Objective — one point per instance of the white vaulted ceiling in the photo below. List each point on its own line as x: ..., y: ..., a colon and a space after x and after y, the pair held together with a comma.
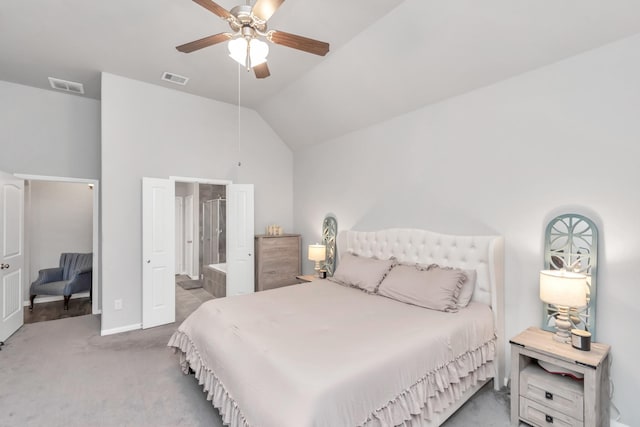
x: 387, y: 57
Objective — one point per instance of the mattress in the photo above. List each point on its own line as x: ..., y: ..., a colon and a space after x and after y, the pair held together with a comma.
x: 322, y: 354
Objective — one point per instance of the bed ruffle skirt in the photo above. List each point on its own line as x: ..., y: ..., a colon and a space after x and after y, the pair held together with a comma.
x: 433, y: 393
x: 437, y: 390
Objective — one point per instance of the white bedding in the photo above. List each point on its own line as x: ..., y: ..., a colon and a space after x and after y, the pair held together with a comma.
x: 321, y: 354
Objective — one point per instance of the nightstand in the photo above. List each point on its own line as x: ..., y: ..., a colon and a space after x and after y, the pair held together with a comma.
x: 540, y: 398
x: 307, y: 278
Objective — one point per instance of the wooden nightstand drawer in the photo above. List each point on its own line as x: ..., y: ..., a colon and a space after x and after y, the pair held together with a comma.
x: 562, y: 394
x: 543, y: 399
x: 539, y: 415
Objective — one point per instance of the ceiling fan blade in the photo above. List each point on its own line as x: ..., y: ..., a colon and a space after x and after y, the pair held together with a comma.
x: 298, y: 42
x: 264, y: 9
x: 215, y: 8
x: 261, y: 71
x: 204, y: 42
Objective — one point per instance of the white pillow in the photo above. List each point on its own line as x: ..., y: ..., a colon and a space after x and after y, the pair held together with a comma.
x: 361, y: 272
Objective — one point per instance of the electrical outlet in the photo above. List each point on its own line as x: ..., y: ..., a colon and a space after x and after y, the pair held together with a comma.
x: 117, y: 304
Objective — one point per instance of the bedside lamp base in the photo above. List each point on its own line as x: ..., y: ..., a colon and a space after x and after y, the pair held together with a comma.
x: 563, y: 325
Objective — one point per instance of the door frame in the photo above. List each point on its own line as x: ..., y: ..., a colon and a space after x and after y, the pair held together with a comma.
x: 96, y: 289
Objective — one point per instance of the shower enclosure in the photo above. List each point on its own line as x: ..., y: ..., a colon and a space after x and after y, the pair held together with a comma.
x: 214, y: 236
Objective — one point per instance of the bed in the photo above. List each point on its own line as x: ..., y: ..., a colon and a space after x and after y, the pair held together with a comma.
x: 328, y: 353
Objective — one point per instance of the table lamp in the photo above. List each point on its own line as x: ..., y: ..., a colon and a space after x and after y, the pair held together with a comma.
x: 565, y: 290
x: 317, y: 253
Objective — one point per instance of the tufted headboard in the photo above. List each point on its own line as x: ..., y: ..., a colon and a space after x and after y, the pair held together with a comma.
x: 485, y: 254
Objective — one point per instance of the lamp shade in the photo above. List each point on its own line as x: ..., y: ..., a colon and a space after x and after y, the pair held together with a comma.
x: 563, y: 288
x: 317, y: 252
x: 257, y: 49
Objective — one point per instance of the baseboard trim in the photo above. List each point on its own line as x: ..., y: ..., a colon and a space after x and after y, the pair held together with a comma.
x: 52, y: 298
x: 121, y: 329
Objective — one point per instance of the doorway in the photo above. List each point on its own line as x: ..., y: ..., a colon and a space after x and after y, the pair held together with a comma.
x: 58, y: 219
x: 159, y: 246
x: 15, y: 272
x: 200, y: 241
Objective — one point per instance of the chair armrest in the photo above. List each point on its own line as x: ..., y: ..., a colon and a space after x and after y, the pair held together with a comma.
x: 80, y: 282
x: 83, y: 270
x: 48, y: 275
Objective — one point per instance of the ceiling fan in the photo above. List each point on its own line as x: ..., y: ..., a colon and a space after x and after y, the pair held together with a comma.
x: 249, y: 25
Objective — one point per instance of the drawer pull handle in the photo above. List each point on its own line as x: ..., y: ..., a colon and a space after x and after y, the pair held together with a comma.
x: 549, y: 419
x: 548, y: 395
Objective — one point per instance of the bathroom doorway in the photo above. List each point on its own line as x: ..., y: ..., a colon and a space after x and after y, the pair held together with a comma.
x: 200, y: 240
x: 200, y: 229
x: 159, y: 249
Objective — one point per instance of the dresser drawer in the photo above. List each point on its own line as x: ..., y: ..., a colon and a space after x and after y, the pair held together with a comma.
x: 562, y: 394
x: 275, y: 278
x: 274, y: 243
x: 280, y: 254
x: 539, y: 415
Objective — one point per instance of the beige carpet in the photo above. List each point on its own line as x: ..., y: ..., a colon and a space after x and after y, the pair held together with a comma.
x: 63, y: 373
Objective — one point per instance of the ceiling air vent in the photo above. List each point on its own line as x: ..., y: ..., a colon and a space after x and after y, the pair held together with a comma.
x: 66, y: 85
x: 175, y: 78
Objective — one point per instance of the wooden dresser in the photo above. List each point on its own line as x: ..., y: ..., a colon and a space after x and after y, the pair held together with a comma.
x: 277, y: 261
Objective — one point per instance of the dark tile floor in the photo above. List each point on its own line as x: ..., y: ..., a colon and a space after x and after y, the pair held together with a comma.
x: 55, y: 310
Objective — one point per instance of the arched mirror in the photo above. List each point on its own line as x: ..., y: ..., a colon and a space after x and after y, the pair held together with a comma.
x: 329, y: 233
x: 571, y: 243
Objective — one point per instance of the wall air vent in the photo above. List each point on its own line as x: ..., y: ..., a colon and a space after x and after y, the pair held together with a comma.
x: 67, y: 86
x: 175, y: 78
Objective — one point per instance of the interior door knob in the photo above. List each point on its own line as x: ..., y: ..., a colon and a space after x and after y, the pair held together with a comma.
x: 3, y: 266
x: 148, y: 261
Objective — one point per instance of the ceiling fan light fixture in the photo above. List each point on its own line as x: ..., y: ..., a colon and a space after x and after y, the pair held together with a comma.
x: 257, y: 49
x: 247, y: 44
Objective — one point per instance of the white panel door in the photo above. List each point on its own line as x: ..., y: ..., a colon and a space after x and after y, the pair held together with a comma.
x: 240, y: 237
x: 11, y: 254
x: 188, y: 236
x: 179, y: 229
x: 158, y: 279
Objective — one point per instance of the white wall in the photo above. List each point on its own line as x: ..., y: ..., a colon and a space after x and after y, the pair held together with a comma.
x: 59, y: 219
x: 504, y: 160
x: 49, y: 133
x: 152, y: 131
